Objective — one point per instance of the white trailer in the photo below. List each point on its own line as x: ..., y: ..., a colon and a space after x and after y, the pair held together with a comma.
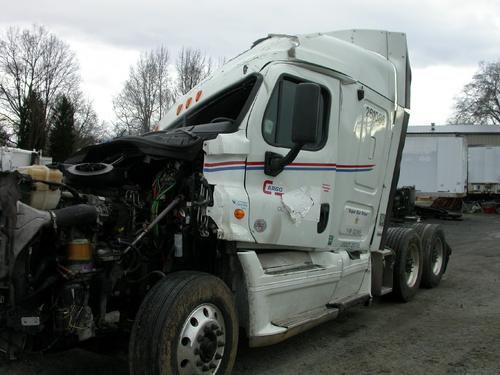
x: 12, y: 158
x: 484, y: 170
x: 435, y: 165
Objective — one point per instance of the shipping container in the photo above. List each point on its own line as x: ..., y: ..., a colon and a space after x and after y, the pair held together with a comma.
x: 484, y: 170
x: 435, y: 165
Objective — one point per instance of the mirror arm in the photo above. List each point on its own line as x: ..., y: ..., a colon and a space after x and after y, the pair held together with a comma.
x: 275, y: 163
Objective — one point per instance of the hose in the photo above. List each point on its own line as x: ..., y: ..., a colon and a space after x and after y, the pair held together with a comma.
x: 153, y: 224
x: 73, y: 191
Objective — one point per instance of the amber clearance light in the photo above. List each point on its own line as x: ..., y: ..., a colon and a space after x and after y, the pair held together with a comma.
x: 239, y: 213
x: 179, y: 108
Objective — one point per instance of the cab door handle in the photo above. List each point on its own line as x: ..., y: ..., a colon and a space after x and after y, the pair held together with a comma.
x: 324, y: 214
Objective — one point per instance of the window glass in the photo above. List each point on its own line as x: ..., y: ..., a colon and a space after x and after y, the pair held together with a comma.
x: 228, y: 104
x: 277, y: 123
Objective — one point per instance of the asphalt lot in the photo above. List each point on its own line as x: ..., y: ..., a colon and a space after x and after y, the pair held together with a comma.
x: 453, y: 329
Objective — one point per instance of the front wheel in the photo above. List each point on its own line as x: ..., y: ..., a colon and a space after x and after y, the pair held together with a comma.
x: 187, y: 324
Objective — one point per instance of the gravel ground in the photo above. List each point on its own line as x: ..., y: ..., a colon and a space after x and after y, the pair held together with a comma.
x: 452, y: 329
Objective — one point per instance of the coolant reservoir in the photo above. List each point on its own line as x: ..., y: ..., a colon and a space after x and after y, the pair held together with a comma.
x: 43, y: 197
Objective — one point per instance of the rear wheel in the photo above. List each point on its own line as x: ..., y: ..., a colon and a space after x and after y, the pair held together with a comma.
x: 435, y: 255
x: 409, y: 259
x: 187, y: 324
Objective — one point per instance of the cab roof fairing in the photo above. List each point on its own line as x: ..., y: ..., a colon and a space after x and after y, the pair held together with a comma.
x: 376, y: 59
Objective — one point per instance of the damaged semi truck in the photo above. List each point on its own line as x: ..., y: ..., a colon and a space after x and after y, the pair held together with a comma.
x: 261, y: 206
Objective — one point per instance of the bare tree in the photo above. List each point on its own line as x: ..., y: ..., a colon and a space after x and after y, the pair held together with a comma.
x: 33, y: 60
x: 192, y: 67
x: 88, y: 129
x: 479, y: 102
x: 146, y: 95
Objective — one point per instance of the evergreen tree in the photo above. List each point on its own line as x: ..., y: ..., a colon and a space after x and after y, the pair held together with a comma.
x: 32, y: 133
x: 62, y: 135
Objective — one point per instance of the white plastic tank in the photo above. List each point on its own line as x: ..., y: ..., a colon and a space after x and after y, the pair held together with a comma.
x: 43, y: 197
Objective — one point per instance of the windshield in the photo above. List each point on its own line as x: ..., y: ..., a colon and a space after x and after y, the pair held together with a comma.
x: 230, y: 104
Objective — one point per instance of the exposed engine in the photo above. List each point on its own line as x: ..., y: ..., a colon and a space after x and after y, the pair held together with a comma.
x: 83, y: 265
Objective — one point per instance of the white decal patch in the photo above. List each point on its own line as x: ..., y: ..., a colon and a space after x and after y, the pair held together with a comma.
x: 302, y: 204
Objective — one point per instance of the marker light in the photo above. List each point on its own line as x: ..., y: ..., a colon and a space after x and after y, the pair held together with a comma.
x: 179, y: 108
x: 188, y: 102
x: 239, y: 213
x: 198, y: 96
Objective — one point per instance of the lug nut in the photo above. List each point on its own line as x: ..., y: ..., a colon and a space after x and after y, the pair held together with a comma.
x: 212, y: 365
x: 218, y: 356
x: 219, y: 333
x: 220, y: 344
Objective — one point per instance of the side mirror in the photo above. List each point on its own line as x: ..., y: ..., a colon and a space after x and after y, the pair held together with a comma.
x: 306, y: 123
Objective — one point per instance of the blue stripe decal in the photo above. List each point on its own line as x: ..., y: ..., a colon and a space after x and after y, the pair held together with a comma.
x: 255, y: 168
x: 231, y: 168
x: 292, y: 168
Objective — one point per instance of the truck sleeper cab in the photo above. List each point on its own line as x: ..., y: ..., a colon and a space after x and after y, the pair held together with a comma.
x: 303, y: 182
x: 308, y: 231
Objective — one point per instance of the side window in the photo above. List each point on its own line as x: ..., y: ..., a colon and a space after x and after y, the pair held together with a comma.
x: 277, y: 123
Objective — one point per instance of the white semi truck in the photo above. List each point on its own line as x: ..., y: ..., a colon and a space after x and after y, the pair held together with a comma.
x: 262, y: 205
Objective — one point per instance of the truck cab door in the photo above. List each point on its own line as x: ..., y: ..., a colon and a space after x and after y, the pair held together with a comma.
x: 292, y: 208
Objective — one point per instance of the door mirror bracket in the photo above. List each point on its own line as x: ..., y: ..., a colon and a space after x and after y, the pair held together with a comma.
x: 275, y: 163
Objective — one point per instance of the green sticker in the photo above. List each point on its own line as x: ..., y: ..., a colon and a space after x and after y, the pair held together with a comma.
x: 330, y: 239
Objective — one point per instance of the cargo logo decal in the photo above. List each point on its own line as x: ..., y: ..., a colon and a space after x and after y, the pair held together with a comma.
x: 241, y: 165
x: 269, y: 188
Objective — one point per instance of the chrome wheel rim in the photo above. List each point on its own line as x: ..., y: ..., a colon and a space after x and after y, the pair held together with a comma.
x: 412, y: 265
x: 437, y: 257
x: 202, y: 340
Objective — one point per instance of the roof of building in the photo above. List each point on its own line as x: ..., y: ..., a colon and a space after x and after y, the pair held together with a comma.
x: 454, y: 129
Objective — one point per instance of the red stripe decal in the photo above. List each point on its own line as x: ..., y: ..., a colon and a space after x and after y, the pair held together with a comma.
x: 261, y: 163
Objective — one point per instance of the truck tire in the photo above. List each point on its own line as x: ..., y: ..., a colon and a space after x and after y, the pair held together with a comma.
x: 435, y: 255
x: 419, y: 228
x: 409, y: 259
x: 187, y: 324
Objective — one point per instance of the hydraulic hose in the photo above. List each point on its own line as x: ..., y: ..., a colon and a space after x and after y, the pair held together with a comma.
x: 153, y: 224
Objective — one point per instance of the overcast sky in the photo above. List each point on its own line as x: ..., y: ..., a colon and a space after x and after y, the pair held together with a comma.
x: 446, y: 38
